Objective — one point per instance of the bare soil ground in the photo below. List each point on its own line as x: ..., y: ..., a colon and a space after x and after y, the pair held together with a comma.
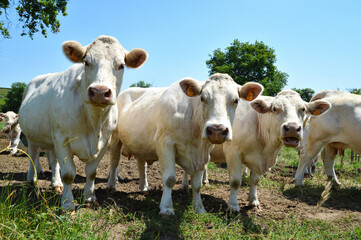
x: 276, y: 203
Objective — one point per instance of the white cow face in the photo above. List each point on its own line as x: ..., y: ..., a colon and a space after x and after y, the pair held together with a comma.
x: 287, y: 114
x: 218, y: 100
x: 104, y: 61
x: 10, y: 118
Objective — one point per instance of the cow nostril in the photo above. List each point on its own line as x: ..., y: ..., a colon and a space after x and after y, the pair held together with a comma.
x: 91, y: 92
x: 225, y: 132
x: 286, y: 127
x: 209, y: 131
x: 298, y: 129
x: 108, y: 93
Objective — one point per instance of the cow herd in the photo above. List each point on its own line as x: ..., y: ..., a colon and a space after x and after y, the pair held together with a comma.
x: 82, y: 112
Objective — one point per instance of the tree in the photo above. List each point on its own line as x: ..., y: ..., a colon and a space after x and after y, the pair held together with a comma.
x: 35, y: 15
x: 141, y: 84
x: 246, y: 62
x: 13, y: 97
x: 306, y: 93
x: 355, y: 90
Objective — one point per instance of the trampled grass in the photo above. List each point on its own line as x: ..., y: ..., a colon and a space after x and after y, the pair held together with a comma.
x: 31, y: 213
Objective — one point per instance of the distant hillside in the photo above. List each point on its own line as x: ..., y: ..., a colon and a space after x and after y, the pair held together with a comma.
x: 3, y: 92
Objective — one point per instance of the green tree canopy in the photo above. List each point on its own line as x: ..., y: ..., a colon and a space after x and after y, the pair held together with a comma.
x: 355, y: 90
x: 306, y: 93
x: 141, y: 84
x: 34, y: 15
x: 246, y: 62
x: 13, y: 97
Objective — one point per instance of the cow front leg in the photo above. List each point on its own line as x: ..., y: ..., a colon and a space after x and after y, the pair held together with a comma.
x: 56, y: 182
x: 328, y: 156
x: 253, y: 198
x: 167, y: 167
x: 68, y: 173
x: 143, y: 181
x: 91, y: 171
x: 196, y: 182
x: 234, y: 166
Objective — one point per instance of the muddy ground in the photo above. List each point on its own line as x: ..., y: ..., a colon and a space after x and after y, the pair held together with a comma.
x: 275, y: 203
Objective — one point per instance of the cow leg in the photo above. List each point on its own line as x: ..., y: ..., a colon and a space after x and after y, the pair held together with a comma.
x: 167, y: 167
x: 308, y: 154
x: 329, y: 154
x: 253, y: 198
x: 55, y: 171
x: 205, y: 180
x: 68, y: 173
x: 234, y: 166
x: 90, y: 172
x: 185, y: 182
x: 196, y: 182
x: 115, y: 151
x: 143, y: 181
x: 33, y: 163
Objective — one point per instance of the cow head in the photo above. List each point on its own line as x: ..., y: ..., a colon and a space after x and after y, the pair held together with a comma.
x: 218, y: 100
x: 11, y: 119
x: 287, y: 114
x: 104, y: 61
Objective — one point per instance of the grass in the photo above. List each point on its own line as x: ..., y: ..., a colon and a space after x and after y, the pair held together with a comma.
x: 3, y: 92
x: 31, y: 213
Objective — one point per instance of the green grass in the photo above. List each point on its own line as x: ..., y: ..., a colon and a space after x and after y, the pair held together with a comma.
x: 27, y: 215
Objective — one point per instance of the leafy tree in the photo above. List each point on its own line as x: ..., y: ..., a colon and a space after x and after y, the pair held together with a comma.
x: 306, y: 93
x: 141, y: 84
x: 246, y: 62
x: 35, y: 15
x: 13, y: 97
x: 355, y: 90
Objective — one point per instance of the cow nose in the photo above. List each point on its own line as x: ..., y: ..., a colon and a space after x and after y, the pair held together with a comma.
x: 217, y: 133
x: 100, y: 95
x: 292, y: 127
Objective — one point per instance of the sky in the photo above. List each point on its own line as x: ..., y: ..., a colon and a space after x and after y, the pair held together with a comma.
x: 317, y: 43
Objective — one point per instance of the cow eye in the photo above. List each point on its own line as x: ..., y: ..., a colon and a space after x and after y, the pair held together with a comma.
x: 120, y: 67
x: 236, y: 101
x: 203, y: 99
x: 87, y: 63
x: 275, y: 109
x: 303, y: 110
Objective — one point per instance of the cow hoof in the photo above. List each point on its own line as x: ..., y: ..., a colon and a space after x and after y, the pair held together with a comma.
x: 166, y: 212
x: 233, y: 208
x: 58, y: 190
x: 110, y: 190
x: 298, y: 183
x: 200, y: 210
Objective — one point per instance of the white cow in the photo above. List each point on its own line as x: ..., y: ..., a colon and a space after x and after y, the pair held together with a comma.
x: 260, y: 129
x: 12, y: 130
x: 178, y: 124
x: 74, y: 112
x: 337, y: 129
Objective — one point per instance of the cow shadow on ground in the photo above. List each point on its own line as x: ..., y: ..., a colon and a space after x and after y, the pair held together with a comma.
x: 340, y: 198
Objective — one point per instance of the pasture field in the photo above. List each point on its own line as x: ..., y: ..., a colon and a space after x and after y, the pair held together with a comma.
x: 287, y: 212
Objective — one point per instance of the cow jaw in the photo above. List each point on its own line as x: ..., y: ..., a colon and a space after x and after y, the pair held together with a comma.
x: 291, y: 142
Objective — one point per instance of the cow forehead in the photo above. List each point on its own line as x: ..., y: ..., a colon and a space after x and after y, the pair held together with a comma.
x: 106, y: 46
x: 220, y: 87
x: 288, y: 99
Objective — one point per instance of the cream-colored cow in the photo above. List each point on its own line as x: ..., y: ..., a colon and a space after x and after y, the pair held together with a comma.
x: 12, y: 130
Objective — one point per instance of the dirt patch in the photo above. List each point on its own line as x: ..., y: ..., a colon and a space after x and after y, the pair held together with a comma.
x: 275, y: 203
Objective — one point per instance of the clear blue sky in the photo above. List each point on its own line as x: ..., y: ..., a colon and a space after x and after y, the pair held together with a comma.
x: 318, y: 43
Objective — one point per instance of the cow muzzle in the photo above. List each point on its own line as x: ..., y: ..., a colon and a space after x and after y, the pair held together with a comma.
x: 100, y: 96
x: 292, y: 133
x: 217, y: 133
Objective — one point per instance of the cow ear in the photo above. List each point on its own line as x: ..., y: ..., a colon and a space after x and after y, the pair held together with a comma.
x: 261, y: 106
x: 74, y: 51
x: 190, y: 87
x: 318, y: 107
x: 135, y: 58
x: 250, y: 91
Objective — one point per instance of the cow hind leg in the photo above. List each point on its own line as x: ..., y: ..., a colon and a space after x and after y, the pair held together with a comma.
x: 196, y: 181
x: 32, y: 175
x: 56, y: 182
x: 329, y: 154
x: 253, y: 197
x: 185, y: 182
x: 143, y: 181
x: 115, y: 151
